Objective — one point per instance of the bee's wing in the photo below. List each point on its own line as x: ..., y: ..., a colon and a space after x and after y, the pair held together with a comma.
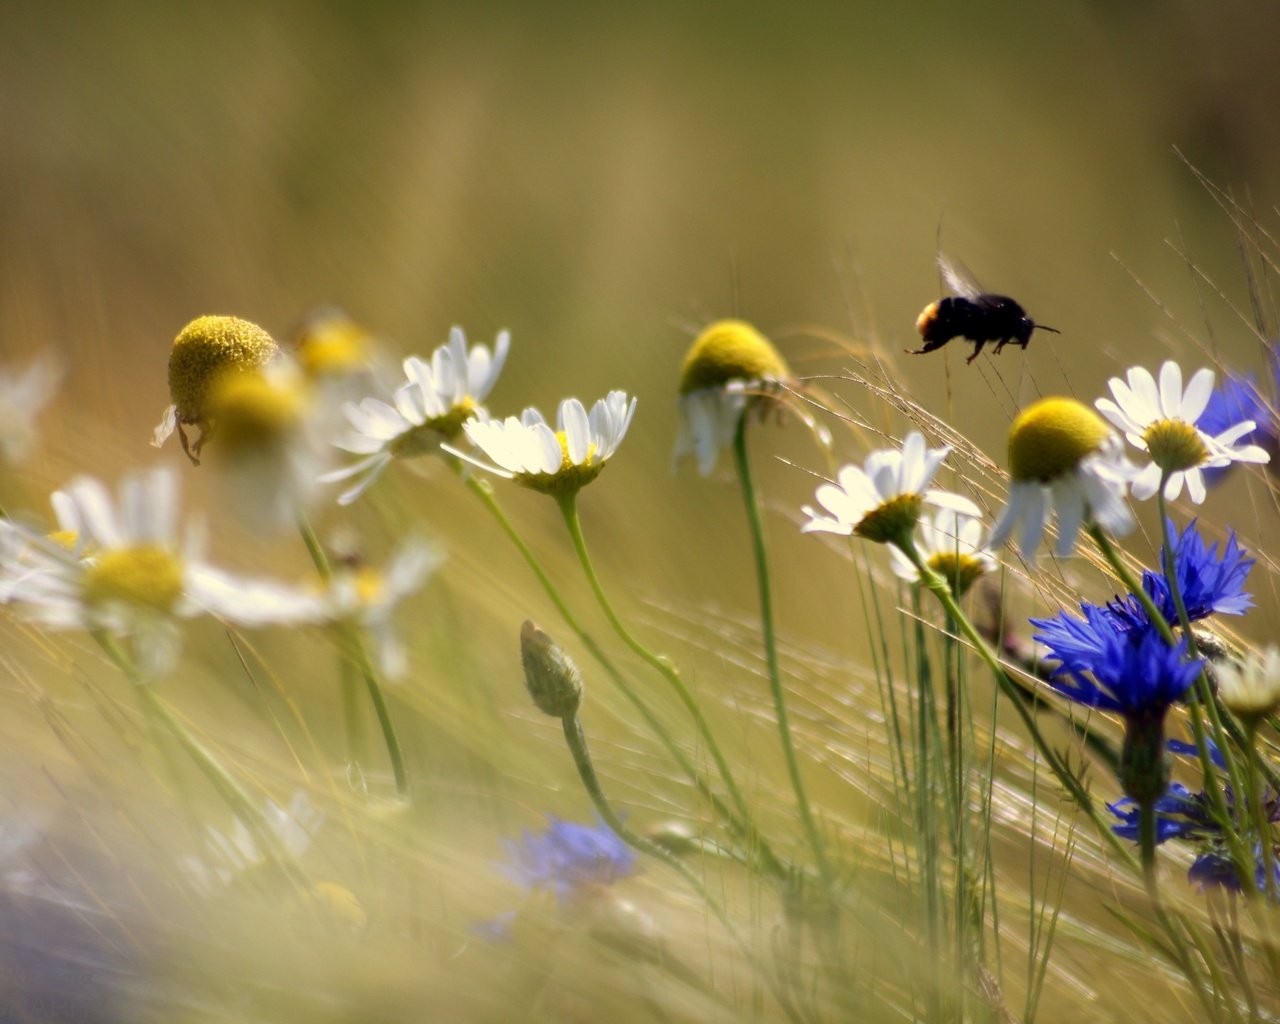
x: 957, y: 280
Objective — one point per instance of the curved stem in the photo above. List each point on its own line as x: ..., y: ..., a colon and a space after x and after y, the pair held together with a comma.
x: 577, y: 743
x: 569, y: 509
x: 739, y: 823
x: 771, y: 654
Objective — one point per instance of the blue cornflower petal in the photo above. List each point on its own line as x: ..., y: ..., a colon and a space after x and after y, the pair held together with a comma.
x: 568, y: 856
x: 1135, y: 672
x: 1210, y: 583
x: 1180, y: 814
x: 1214, y: 870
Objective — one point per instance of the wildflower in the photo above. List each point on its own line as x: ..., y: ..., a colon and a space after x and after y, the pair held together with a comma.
x: 568, y: 858
x: 269, y: 444
x: 1180, y: 814
x: 368, y: 598
x: 553, y: 680
x: 1063, y: 456
x: 1208, y: 582
x: 1214, y: 869
x: 121, y: 567
x: 1251, y: 688
x: 429, y: 409
x: 1237, y: 399
x: 331, y: 345
x: 206, y: 349
x: 730, y: 370
x: 1132, y: 671
x: 22, y: 398
x: 881, y: 500
x: 559, y: 461
x: 291, y: 832
x: 1163, y: 422
x: 950, y: 543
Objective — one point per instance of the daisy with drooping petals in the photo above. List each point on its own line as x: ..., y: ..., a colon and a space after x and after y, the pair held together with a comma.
x: 881, y: 500
x: 950, y: 543
x: 121, y: 567
x: 559, y: 461
x: 428, y: 409
x: 1162, y: 420
x: 730, y: 369
x: 1063, y: 456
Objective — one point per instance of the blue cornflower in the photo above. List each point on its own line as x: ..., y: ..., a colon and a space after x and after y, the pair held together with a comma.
x: 1214, y: 869
x: 1180, y: 814
x: 1133, y: 671
x: 1211, y: 583
x: 567, y: 857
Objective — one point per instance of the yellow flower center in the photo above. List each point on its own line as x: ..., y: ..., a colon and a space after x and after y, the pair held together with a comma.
x: 730, y: 350
x: 65, y: 539
x: 147, y: 576
x: 1050, y: 437
x: 960, y: 571
x: 253, y: 413
x: 570, y: 477
x: 426, y: 439
x: 896, y: 518
x: 204, y: 350
x: 334, y: 345
x: 368, y: 584
x: 1175, y: 445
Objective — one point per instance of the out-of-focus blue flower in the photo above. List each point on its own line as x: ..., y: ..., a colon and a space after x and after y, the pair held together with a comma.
x: 567, y: 857
x: 1213, y: 869
x: 1133, y: 671
x: 1180, y: 814
x: 1211, y: 582
x: 1239, y: 398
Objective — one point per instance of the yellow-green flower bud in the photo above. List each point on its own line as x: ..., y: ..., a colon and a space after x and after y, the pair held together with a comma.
x: 552, y: 678
x: 730, y: 350
x: 1051, y: 437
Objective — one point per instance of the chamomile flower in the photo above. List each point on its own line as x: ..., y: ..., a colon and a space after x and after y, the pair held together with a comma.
x: 1162, y: 420
x: 950, y: 543
x: 1251, y: 688
x: 426, y: 411
x: 560, y: 461
x: 362, y: 595
x: 122, y: 567
x: 1063, y: 456
x: 206, y: 350
x: 881, y: 500
x: 22, y: 398
x: 232, y: 854
x: 730, y: 370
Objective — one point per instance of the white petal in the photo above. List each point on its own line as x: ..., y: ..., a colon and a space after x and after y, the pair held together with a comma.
x: 1196, y: 398
x: 1171, y: 390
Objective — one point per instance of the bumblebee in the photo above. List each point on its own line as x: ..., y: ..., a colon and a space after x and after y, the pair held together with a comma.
x: 975, y: 315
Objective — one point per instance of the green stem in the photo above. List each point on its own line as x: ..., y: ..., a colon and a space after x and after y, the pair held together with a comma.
x: 358, y: 652
x: 569, y: 509
x: 577, y: 743
x: 771, y: 655
x: 740, y: 823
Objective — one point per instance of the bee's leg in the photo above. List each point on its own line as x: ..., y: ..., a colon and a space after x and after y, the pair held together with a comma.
x: 186, y: 447
x: 1001, y: 344
x: 976, y: 349
x: 929, y: 346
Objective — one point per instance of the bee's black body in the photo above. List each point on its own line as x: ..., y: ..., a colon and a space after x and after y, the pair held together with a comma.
x: 977, y: 316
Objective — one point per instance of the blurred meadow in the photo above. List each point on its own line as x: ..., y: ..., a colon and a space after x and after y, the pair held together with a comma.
x: 601, y: 181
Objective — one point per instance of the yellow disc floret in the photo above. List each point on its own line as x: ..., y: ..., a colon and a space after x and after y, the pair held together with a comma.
x: 331, y: 344
x: 1175, y: 445
x: 206, y: 349
x: 253, y: 412
x: 571, y: 476
x: 730, y: 350
x: 896, y: 518
x: 147, y: 576
x: 960, y: 571
x: 1050, y: 437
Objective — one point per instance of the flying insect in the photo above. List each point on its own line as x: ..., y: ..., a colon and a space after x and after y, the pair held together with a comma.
x: 975, y: 315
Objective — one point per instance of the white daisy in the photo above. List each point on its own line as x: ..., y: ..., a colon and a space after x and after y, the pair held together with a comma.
x: 950, y: 543
x: 555, y: 461
x: 429, y: 408
x: 730, y: 369
x: 292, y: 830
x: 882, y: 500
x: 1162, y: 420
x: 1063, y: 456
x: 366, y: 597
x: 22, y: 397
x: 122, y: 568
x: 1251, y: 688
